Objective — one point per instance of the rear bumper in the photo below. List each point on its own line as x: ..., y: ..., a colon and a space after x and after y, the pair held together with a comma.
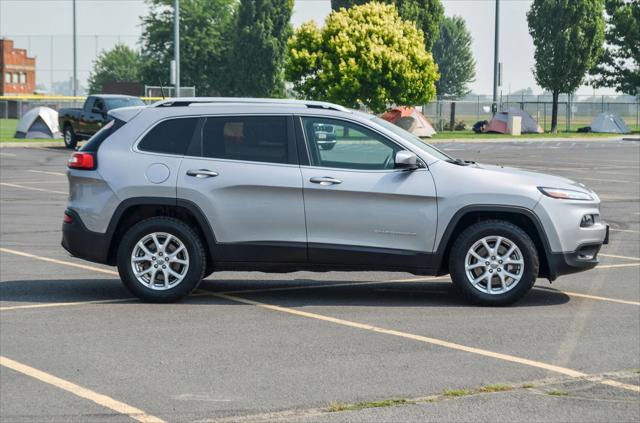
x: 82, y: 243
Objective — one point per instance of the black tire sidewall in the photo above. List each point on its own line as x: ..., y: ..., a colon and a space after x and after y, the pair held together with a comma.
x: 478, y: 231
x: 191, y: 241
x: 74, y: 140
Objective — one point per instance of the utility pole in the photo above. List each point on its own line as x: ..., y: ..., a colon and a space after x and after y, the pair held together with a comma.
x: 75, y: 53
x: 176, y: 44
x: 496, y: 65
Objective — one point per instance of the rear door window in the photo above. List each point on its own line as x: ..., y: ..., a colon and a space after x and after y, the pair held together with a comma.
x: 171, y: 136
x: 247, y: 138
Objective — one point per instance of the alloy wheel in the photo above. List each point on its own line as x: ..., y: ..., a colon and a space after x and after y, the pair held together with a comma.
x: 160, y: 261
x: 494, y: 265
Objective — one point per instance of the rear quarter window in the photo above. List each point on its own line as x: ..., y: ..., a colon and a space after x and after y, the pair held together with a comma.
x: 99, y: 137
x: 171, y: 136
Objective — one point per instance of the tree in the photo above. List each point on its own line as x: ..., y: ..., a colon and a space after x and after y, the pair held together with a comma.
x: 366, y: 54
x: 568, y: 36
x: 204, y: 33
x: 258, y: 47
x: 452, y: 52
x: 120, y: 64
x: 427, y: 14
x: 620, y: 64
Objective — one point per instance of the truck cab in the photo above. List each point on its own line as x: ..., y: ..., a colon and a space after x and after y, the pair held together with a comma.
x: 80, y: 124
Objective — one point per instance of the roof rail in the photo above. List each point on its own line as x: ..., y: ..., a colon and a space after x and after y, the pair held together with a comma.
x: 189, y: 101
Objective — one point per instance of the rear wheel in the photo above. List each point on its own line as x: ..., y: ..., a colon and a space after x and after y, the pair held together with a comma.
x: 493, y: 263
x: 70, y: 139
x: 161, y: 259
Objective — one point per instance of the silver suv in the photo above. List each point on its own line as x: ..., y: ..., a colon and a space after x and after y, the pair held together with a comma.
x: 177, y: 190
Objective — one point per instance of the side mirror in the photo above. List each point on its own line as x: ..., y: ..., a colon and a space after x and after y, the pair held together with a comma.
x: 406, y: 160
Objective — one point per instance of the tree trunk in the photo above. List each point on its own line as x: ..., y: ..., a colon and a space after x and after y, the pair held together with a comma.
x: 554, y: 112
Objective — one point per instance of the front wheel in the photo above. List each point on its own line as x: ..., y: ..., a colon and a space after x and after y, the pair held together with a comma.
x: 70, y: 138
x: 161, y: 260
x: 493, y: 263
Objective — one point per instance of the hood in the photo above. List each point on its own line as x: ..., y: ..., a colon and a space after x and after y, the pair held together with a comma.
x: 523, y: 176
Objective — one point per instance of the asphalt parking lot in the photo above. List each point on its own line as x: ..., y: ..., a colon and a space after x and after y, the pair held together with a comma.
x: 326, y: 347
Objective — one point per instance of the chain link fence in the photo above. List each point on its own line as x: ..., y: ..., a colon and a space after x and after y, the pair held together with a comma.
x: 573, y: 111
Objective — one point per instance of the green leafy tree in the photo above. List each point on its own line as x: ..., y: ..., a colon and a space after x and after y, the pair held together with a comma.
x: 452, y: 52
x: 427, y: 14
x: 258, y: 47
x: 120, y: 64
x: 204, y: 33
x: 620, y: 64
x: 366, y: 54
x: 568, y: 36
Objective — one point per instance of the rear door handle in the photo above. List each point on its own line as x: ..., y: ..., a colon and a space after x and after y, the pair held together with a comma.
x: 202, y: 173
x: 325, y: 180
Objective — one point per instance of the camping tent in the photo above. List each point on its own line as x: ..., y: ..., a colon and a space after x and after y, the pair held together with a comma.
x: 39, y: 122
x: 409, y: 119
x: 500, y: 120
x: 608, y: 122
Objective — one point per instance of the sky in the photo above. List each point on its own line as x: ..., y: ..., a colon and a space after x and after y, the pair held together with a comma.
x: 44, y: 27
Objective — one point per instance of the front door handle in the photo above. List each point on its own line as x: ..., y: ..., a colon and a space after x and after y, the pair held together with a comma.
x: 325, y: 180
x: 202, y: 173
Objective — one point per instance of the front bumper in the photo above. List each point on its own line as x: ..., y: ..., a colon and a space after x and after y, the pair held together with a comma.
x: 584, y: 258
x: 82, y: 243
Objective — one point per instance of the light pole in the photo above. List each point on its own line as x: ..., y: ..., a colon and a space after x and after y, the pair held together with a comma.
x: 496, y: 65
x: 75, y: 55
x: 176, y: 44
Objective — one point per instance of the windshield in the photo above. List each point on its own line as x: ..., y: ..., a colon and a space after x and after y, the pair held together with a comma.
x: 418, y: 142
x: 116, y: 103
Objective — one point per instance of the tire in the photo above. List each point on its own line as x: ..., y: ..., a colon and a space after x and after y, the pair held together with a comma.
x: 498, y: 288
x: 70, y: 138
x: 163, y: 286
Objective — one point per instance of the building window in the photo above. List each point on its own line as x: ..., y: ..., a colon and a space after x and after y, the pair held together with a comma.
x: 23, y: 78
x: 14, y: 77
x: 7, y: 77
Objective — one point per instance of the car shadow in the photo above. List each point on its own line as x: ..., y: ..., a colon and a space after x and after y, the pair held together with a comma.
x: 287, y: 293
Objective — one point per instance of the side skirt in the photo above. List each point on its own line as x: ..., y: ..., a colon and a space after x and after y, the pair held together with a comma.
x: 292, y: 257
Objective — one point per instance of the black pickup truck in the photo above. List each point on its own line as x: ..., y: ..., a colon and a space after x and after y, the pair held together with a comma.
x: 81, y: 124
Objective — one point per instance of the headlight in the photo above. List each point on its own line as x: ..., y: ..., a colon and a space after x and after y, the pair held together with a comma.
x: 565, y: 194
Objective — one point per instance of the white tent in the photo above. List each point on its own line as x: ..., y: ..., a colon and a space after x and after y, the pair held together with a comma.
x: 609, y: 123
x: 39, y: 122
x: 500, y: 120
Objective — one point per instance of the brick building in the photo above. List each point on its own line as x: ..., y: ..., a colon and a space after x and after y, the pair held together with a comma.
x: 18, y: 70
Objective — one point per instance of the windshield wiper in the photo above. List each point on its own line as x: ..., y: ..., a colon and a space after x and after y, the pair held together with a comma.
x: 460, y: 162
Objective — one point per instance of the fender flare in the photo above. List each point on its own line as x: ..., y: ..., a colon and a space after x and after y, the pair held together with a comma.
x: 446, y: 240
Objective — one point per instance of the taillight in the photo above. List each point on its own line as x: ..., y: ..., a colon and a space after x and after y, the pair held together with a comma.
x: 67, y: 218
x: 82, y: 160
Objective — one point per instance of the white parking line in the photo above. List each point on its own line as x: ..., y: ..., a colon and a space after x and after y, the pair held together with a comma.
x: 613, y: 266
x: 620, y: 257
x: 32, y: 188
x: 428, y: 340
x: 624, y: 230
x: 79, y: 391
x: 56, y: 261
x: 44, y: 172
x: 589, y: 297
x: 65, y: 304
